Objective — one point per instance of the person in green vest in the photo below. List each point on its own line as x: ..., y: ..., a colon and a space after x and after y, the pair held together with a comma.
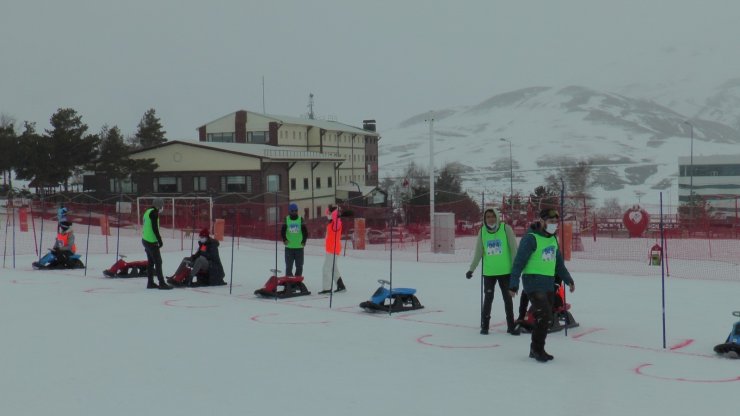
x: 538, y: 260
x: 295, y: 234
x: 496, y: 247
x: 152, y: 242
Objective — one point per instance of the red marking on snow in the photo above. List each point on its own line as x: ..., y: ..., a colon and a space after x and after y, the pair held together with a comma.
x: 681, y: 344
x: 588, y: 331
x: 258, y: 318
x: 33, y: 282
x: 422, y: 340
x: 173, y: 303
x: 412, y: 319
x: 639, y: 371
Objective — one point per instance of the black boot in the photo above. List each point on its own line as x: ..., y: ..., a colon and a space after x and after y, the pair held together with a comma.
x: 514, y: 330
x: 151, y: 285
x: 163, y: 285
x: 340, y: 286
x: 541, y: 355
x: 484, y: 324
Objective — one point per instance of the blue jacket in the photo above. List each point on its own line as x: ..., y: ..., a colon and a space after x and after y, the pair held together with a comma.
x: 535, y: 282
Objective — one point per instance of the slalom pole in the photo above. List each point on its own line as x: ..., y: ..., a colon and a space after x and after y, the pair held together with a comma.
x: 33, y: 226
x: 482, y: 257
x: 41, y: 235
x: 276, y: 243
x: 87, y: 244
x: 5, y: 245
x: 390, y: 277
x: 192, y: 234
x: 233, y: 231
x: 14, y: 236
x: 562, y: 238
x: 662, y: 266
x: 118, y: 232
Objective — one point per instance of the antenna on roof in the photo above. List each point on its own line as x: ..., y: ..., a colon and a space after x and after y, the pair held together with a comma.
x: 263, y: 95
x: 310, y: 106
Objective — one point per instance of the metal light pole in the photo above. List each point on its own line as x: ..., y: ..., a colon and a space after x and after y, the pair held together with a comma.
x: 691, y: 173
x: 511, y: 181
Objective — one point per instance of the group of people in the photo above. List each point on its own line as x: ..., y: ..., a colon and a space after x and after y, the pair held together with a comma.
x: 536, y: 262
x: 295, y: 234
x: 205, y: 259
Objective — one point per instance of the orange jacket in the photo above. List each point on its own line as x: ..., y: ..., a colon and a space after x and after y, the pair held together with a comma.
x: 333, y: 241
x: 63, y: 241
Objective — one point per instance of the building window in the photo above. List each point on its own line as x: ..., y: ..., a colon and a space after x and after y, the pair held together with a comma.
x: 236, y: 184
x: 318, y: 211
x: 168, y: 184
x: 292, y: 184
x: 328, y: 182
x: 273, y: 183
x: 306, y: 213
x: 272, y: 215
x: 305, y: 183
x: 318, y: 183
x: 123, y: 185
x: 199, y: 184
x: 258, y: 137
x: 220, y: 137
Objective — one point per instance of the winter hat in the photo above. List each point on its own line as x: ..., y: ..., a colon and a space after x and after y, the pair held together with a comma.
x: 64, y: 225
x: 204, y: 233
x: 293, y: 207
x: 549, y: 213
x: 158, y: 203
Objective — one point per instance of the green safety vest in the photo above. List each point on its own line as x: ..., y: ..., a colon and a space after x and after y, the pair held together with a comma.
x: 147, y: 232
x: 293, y: 232
x: 496, y: 252
x: 543, y: 259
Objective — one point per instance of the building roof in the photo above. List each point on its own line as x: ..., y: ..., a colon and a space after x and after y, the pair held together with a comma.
x: 262, y: 151
x: 322, y: 124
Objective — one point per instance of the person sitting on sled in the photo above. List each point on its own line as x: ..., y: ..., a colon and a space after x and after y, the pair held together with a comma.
x: 206, y: 259
x: 64, y: 246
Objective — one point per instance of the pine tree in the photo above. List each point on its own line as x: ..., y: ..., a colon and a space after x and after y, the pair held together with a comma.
x: 71, y: 148
x: 114, y: 160
x: 8, y: 148
x: 150, y: 131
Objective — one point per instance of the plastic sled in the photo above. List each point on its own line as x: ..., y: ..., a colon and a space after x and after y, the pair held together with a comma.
x: 731, y: 347
x: 561, y: 316
x: 283, y: 287
x: 51, y: 262
x: 122, y: 268
x: 397, y: 300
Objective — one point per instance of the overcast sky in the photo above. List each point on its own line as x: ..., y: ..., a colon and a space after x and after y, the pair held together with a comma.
x: 195, y: 61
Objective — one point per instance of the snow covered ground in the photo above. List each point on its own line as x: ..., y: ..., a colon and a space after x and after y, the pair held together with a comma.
x: 88, y: 345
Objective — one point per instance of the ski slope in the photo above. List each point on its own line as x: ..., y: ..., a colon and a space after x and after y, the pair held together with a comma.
x: 88, y: 345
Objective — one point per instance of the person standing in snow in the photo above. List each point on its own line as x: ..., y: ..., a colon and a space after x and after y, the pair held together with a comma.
x: 496, y: 247
x: 333, y: 246
x: 538, y: 260
x: 295, y: 234
x: 152, y: 242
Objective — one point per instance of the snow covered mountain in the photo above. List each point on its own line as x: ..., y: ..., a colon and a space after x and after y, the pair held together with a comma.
x: 633, y: 142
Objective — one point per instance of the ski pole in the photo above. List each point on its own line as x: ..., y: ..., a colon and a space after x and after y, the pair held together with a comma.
x: 233, y: 231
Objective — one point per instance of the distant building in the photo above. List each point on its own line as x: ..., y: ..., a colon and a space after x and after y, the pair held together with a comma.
x: 358, y: 147
x: 235, y: 172
x: 716, y: 179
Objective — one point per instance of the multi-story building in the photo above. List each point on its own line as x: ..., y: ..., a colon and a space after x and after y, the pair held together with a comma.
x: 716, y: 179
x: 358, y: 147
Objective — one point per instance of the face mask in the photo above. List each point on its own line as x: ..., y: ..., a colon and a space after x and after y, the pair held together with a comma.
x: 203, y: 239
x: 551, y: 228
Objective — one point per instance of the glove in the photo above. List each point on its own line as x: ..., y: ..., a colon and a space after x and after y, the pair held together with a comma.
x: 160, y: 244
x: 513, y: 291
x: 469, y: 274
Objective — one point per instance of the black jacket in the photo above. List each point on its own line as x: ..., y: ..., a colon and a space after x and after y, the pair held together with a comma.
x: 209, y: 250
